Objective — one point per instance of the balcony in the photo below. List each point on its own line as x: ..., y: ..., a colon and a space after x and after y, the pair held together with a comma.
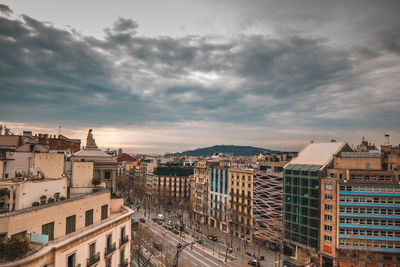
x: 124, y: 263
x: 109, y: 250
x: 93, y: 259
x: 123, y: 240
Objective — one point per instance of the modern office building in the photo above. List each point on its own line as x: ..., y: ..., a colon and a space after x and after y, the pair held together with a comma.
x: 301, y: 203
x: 360, y: 211
x: 267, y: 207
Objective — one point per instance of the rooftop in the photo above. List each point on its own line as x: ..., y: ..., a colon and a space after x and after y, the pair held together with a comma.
x: 318, y: 153
x: 360, y: 154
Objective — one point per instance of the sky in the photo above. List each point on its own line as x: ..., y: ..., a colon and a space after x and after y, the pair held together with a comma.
x: 167, y: 76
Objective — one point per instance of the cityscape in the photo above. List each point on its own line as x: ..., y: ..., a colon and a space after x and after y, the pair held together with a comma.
x: 199, y: 133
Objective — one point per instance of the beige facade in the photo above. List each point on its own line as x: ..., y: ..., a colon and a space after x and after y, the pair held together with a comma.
x: 50, y: 164
x: 241, y: 201
x: 200, y: 178
x: 29, y: 190
x: 95, y: 218
x: 82, y: 173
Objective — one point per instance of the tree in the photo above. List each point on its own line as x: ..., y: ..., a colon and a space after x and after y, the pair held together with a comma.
x: 96, y: 182
x: 141, y: 239
x: 4, y: 196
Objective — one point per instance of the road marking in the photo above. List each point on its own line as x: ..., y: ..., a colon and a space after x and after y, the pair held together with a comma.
x: 184, y: 251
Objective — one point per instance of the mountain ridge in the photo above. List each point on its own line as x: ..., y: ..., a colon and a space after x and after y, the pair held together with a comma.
x: 233, y: 150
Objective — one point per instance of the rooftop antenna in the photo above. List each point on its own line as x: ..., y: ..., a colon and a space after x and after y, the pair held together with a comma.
x: 59, y: 130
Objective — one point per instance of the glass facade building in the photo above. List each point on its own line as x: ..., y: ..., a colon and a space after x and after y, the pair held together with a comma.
x: 301, y: 204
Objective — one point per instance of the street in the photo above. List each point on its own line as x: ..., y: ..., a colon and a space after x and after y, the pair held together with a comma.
x: 194, y: 256
x: 201, y: 256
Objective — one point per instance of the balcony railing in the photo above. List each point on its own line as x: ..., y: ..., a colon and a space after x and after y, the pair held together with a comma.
x: 93, y: 259
x: 110, y: 249
x: 124, y: 263
x: 123, y: 240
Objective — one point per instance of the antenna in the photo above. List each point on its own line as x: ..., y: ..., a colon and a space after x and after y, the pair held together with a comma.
x: 59, y: 130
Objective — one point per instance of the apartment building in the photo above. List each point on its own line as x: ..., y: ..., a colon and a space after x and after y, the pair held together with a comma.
x: 360, y: 210
x: 201, y: 174
x: 241, y: 202
x: 219, y: 216
x: 84, y: 230
x: 302, y: 199
x: 173, y: 179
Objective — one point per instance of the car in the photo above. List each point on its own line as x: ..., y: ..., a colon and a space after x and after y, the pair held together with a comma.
x: 169, y: 227
x: 159, y: 222
x: 142, y: 220
x: 213, y: 237
x: 254, y: 263
x: 175, y: 231
x: 154, y: 219
x: 160, y: 217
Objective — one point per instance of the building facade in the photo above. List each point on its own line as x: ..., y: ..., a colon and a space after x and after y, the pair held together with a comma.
x: 201, y: 175
x: 363, y: 226
x: 87, y: 230
x: 219, y: 216
x: 241, y: 202
x: 173, y: 180
x: 302, y: 200
x: 267, y: 207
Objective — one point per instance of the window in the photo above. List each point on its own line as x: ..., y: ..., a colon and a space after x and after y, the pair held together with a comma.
x: 122, y: 232
x: 122, y: 256
x: 328, y: 228
x: 92, y: 250
x: 104, y: 212
x: 328, y: 186
x: 108, y: 262
x: 328, y: 196
x: 328, y: 217
x: 328, y: 207
x: 109, y: 242
x: 89, y: 217
x: 70, y: 224
x: 107, y: 175
x: 48, y: 229
x: 328, y: 238
x: 71, y: 260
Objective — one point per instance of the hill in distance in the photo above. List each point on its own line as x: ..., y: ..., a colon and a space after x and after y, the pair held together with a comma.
x: 227, y: 150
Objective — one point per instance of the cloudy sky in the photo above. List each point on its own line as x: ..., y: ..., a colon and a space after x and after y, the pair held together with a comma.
x: 167, y: 76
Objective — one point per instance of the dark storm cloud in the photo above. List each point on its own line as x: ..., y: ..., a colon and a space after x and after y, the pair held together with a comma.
x: 5, y: 10
x: 51, y: 74
x: 125, y: 25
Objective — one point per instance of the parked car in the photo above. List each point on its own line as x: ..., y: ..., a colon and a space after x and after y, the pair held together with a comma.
x: 160, y: 217
x: 159, y: 222
x: 254, y: 263
x: 175, y: 231
x: 213, y: 237
x: 154, y: 219
x: 142, y: 220
x: 169, y: 227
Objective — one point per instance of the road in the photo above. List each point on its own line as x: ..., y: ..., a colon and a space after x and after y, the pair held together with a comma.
x: 193, y: 256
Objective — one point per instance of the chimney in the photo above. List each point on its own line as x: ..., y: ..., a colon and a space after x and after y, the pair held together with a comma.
x: 386, y: 139
x: 333, y: 141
